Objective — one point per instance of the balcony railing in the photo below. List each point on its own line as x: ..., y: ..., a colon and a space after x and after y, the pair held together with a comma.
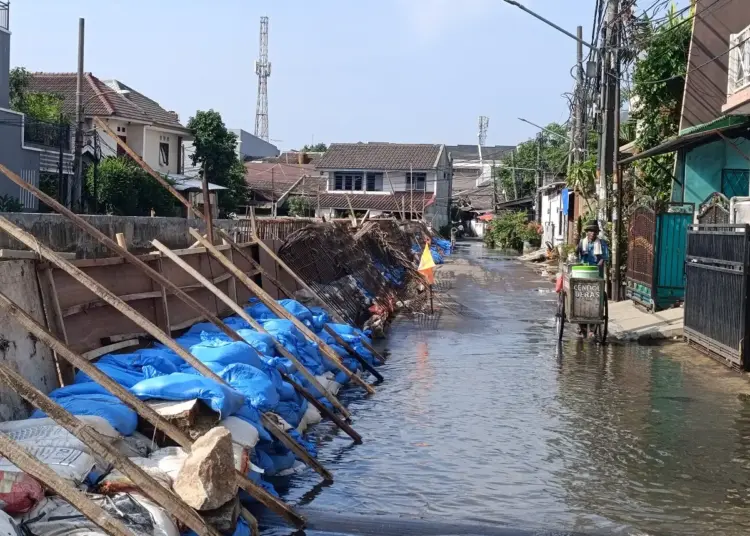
x: 739, y: 61
x: 5, y: 15
x: 51, y: 135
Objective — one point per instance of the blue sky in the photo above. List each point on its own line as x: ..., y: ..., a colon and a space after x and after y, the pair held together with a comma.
x: 342, y: 70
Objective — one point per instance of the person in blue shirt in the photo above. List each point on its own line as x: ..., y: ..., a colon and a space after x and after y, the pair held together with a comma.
x: 593, y: 250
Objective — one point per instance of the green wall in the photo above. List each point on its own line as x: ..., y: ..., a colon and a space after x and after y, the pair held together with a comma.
x: 703, y: 167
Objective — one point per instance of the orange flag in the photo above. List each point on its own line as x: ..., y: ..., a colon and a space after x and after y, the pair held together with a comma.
x: 427, y: 264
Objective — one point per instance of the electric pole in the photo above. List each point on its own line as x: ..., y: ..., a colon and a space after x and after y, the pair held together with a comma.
x: 616, y: 178
x: 263, y: 70
x: 606, y: 139
x: 539, y: 178
x: 74, y: 194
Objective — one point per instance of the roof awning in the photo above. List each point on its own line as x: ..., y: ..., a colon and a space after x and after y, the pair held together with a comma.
x: 183, y: 183
x: 692, y: 139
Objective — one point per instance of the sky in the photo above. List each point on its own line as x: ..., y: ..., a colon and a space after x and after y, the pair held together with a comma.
x: 410, y: 71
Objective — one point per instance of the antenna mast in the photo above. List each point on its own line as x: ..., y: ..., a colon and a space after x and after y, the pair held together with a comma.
x: 263, y: 70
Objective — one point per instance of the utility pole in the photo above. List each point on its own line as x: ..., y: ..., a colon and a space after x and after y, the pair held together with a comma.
x: 75, y: 191
x: 513, y: 172
x: 577, y: 135
x: 606, y: 138
x: 616, y: 178
x: 494, y: 191
x: 539, y: 178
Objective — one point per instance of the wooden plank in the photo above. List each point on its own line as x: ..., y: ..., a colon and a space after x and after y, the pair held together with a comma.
x: 145, y: 257
x: 151, y: 294
x: 254, y: 323
x: 269, y: 302
x: 20, y: 254
x: 346, y: 346
x: 309, y: 289
x: 54, y: 319
x: 125, y: 309
x: 162, y: 306
x: 108, y: 349
x: 271, y: 422
x: 143, y: 409
x: 103, y: 448
x: 232, y: 282
x: 32, y: 466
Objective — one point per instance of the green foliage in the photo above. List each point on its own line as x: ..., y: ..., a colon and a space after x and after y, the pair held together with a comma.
x: 510, y: 230
x: 554, y: 158
x: 9, y: 203
x: 317, y: 148
x: 215, y: 151
x: 41, y: 106
x: 123, y: 188
x: 658, y: 85
x: 582, y: 179
x: 300, y: 206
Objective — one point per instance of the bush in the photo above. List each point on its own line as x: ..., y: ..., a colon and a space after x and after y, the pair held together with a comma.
x: 124, y: 189
x: 511, y: 230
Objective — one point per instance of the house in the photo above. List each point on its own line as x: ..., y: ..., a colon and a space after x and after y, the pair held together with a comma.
x: 410, y: 181
x: 153, y: 132
x: 14, y: 152
x: 272, y: 183
x: 553, y: 217
x: 713, y: 145
x: 475, y: 163
x: 249, y: 147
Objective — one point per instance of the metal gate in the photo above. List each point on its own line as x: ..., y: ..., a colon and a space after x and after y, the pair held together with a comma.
x: 718, y: 258
x: 641, y: 238
x: 715, y: 209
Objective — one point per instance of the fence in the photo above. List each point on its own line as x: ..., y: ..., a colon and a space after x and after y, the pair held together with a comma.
x: 718, y: 262
x: 641, y: 236
x: 272, y: 228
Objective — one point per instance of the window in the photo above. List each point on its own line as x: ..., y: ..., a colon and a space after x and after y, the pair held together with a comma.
x: 347, y: 181
x: 735, y: 182
x: 374, y: 182
x: 416, y: 181
x: 163, y: 154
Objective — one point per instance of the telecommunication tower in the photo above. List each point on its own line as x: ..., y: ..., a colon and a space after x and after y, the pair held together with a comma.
x: 484, y: 123
x: 263, y: 70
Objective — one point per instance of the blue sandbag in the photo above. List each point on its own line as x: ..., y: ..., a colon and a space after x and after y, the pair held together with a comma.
x: 241, y: 530
x: 253, y: 383
x: 320, y: 317
x: 183, y: 386
x: 282, y: 462
x: 299, y: 311
x: 262, y: 459
x: 259, y: 311
x: 226, y: 353
x: 129, y: 369
x: 250, y: 415
x: 91, y: 399
x: 291, y: 338
x: 162, y: 352
x: 291, y: 412
x: 309, y: 446
x: 262, y: 342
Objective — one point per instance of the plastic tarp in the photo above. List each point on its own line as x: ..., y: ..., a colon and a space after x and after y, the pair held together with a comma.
x: 129, y: 369
x: 226, y: 353
x: 92, y: 399
x: 182, y: 386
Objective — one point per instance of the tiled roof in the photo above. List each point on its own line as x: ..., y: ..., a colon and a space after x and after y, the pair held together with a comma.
x: 387, y: 202
x: 270, y: 181
x: 380, y: 156
x: 101, y: 99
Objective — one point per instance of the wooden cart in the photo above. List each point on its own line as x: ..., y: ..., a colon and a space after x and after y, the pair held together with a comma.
x: 583, y: 302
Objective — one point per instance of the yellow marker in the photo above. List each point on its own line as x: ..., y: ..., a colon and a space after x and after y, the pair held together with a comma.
x: 427, y: 264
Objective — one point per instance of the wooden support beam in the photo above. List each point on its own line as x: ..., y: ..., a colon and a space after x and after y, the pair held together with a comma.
x: 140, y: 407
x: 109, y: 348
x: 146, y: 483
x: 250, y: 320
x: 341, y: 423
x: 270, y: 422
x: 269, y: 302
x: 98, y: 289
x: 301, y: 282
x: 121, y: 240
x: 354, y: 353
x: 162, y: 306
x: 32, y: 466
x: 54, y: 318
x: 112, y: 245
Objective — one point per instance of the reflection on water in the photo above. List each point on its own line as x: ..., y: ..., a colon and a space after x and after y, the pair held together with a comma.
x: 489, y: 420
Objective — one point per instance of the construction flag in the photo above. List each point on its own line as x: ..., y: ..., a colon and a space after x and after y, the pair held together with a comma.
x: 427, y: 264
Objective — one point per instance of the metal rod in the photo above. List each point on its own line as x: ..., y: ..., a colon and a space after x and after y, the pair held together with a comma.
x: 548, y: 22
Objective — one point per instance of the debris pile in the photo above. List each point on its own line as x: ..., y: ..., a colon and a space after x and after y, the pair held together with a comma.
x: 228, y: 421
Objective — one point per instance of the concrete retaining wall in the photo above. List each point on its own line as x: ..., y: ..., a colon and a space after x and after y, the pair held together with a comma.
x: 60, y: 234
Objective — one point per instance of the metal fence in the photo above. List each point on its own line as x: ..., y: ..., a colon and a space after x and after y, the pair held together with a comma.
x: 641, y: 235
x: 717, y: 267
x: 55, y: 135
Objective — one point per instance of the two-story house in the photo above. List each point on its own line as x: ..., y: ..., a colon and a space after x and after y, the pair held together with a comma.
x: 153, y: 132
x: 713, y: 145
x: 410, y: 181
x: 14, y: 153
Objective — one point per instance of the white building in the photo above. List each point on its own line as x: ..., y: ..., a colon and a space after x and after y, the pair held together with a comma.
x: 553, y: 220
x: 477, y: 163
x: 406, y: 180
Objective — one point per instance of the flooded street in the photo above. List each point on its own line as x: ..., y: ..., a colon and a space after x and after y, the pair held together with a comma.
x: 484, y: 421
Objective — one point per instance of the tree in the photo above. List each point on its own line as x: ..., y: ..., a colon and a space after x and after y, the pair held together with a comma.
x: 125, y: 189
x: 554, y: 158
x: 215, y: 151
x: 658, y: 86
x: 300, y: 206
x: 38, y: 105
x: 317, y: 148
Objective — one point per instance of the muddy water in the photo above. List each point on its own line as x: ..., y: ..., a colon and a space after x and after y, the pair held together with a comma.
x: 482, y: 419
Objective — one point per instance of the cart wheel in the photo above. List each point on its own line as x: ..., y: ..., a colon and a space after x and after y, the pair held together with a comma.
x: 602, y: 329
x: 560, y: 316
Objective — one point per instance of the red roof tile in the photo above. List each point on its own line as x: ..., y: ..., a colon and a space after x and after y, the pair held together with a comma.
x: 408, y: 201
x: 380, y: 156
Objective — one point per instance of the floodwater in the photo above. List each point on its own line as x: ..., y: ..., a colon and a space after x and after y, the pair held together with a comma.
x: 483, y: 420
